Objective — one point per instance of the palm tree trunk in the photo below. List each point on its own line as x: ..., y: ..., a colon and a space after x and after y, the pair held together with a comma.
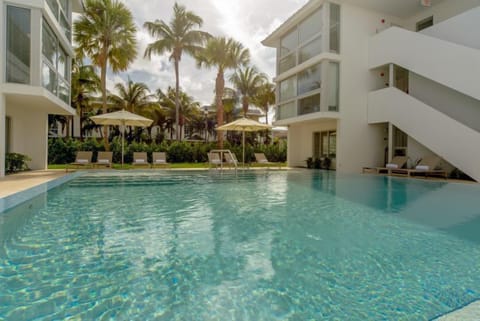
x: 103, y: 80
x: 219, y: 87
x: 245, y: 106
x: 177, y: 102
x: 266, y: 121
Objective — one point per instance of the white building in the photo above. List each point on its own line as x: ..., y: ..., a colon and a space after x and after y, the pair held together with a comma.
x: 361, y: 81
x: 35, y: 70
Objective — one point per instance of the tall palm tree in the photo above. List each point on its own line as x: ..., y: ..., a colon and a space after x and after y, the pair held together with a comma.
x: 85, y: 83
x: 265, y: 97
x: 105, y: 33
x: 223, y: 54
x: 247, y: 81
x: 180, y: 35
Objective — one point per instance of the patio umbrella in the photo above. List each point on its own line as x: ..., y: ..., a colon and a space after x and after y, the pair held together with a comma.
x: 121, y: 118
x: 244, y: 125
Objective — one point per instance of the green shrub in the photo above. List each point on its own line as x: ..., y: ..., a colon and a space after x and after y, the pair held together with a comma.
x: 15, y: 162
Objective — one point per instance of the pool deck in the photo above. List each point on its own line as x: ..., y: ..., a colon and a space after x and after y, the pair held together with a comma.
x: 15, y: 183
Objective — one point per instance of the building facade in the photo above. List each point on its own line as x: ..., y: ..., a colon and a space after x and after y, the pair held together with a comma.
x: 360, y: 82
x: 35, y: 69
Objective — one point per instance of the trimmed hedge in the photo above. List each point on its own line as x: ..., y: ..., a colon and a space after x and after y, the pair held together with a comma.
x: 63, y: 150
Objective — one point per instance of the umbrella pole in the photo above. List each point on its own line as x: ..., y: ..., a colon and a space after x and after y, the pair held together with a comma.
x: 243, y: 143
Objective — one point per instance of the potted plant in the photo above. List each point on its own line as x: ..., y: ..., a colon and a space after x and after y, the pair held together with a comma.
x: 309, y: 162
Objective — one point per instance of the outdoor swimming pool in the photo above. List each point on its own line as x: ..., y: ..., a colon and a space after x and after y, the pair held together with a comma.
x: 297, y: 245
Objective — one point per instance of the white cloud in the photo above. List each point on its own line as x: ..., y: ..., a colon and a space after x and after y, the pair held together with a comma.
x: 248, y: 21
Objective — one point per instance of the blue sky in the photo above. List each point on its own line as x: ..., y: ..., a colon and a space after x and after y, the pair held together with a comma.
x: 248, y: 21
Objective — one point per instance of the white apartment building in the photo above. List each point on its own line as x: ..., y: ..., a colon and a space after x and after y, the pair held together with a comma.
x: 35, y: 69
x: 360, y: 81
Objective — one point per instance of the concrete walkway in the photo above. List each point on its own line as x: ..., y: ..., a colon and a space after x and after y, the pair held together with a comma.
x: 15, y: 183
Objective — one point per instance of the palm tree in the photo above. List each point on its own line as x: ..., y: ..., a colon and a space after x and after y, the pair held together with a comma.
x: 188, y: 108
x: 177, y: 37
x: 133, y: 97
x: 247, y: 81
x: 265, y: 97
x: 85, y: 83
x: 105, y: 33
x: 223, y: 54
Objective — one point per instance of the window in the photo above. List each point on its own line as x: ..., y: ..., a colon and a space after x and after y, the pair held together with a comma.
x: 309, y: 79
x: 325, y: 144
x: 333, y: 86
x: 287, y: 89
x: 55, y: 66
x: 310, y: 26
x: 287, y: 63
x: 334, y: 27
x: 61, y: 12
x: 18, y: 45
x: 289, y: 43
x: 425, y: 23
x: 309, y: 105
x: 8, y: 129
x: 285, y: 111
x: 311, y: 49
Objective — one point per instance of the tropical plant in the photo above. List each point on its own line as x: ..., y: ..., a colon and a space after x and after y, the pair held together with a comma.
x: 85, y: 83
x: 133, y: 97
x: 222, y: 53
x: 265, y: 97
x: 247, y: 81
x: 179, y: 36
x: 105, y: 33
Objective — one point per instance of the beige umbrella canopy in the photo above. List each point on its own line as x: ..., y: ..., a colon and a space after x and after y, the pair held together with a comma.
x: 121, y: 118
x: 244, y: 125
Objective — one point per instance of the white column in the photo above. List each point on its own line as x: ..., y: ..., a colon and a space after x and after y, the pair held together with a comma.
x: 3, y: 134
x: 391, y: 76
x: 390, y: 142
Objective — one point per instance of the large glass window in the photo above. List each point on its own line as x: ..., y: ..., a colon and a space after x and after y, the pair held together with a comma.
x: 309, y: 105
x: 310, y: 26
x: 287, y: 63
x: 334, y: 27
x: 61, y: 11
x: 311, y: 49
x: 333, y: 86
x: 287, y: 89
x: 309, y: 79
x: 285, y: 111
x: 56, y: 65
x: 289, y: 43
x: 18, y: 45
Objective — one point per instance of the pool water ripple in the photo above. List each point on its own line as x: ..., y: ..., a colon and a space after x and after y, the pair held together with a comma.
x: 257, y: 246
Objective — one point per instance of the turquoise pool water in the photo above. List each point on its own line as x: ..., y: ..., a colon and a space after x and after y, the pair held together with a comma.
x: 300, y: 245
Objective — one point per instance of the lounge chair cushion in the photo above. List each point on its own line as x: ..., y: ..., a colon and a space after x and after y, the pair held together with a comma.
x: 82, y: 161
x: 392, y: 166
x: 103, y: 161
x: 422, y: 168
x: 162, y: 161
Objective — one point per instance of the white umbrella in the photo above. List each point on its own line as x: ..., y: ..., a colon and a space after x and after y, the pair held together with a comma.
x: 122, y: 118
x: 244, y: 125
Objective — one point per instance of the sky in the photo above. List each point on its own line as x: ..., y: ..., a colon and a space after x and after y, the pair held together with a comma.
x: 247, y: 21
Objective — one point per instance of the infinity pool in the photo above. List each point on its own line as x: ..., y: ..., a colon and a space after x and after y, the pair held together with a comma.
x: 299, y: 245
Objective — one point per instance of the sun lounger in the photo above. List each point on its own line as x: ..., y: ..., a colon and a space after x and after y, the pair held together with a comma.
x: 262, y: 160
x: 83, y: 159
x: 427, y: 167
x: 231, y: 159
x: 214, y: 160
x: 159, y: 159
x: 104, y: 159
x: 397, y: 162
x: 140, y: 159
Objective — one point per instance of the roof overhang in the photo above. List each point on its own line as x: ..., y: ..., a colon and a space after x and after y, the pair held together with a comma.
x: 35, y: 98
x: 322, y: 116
x: 397, y: 8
